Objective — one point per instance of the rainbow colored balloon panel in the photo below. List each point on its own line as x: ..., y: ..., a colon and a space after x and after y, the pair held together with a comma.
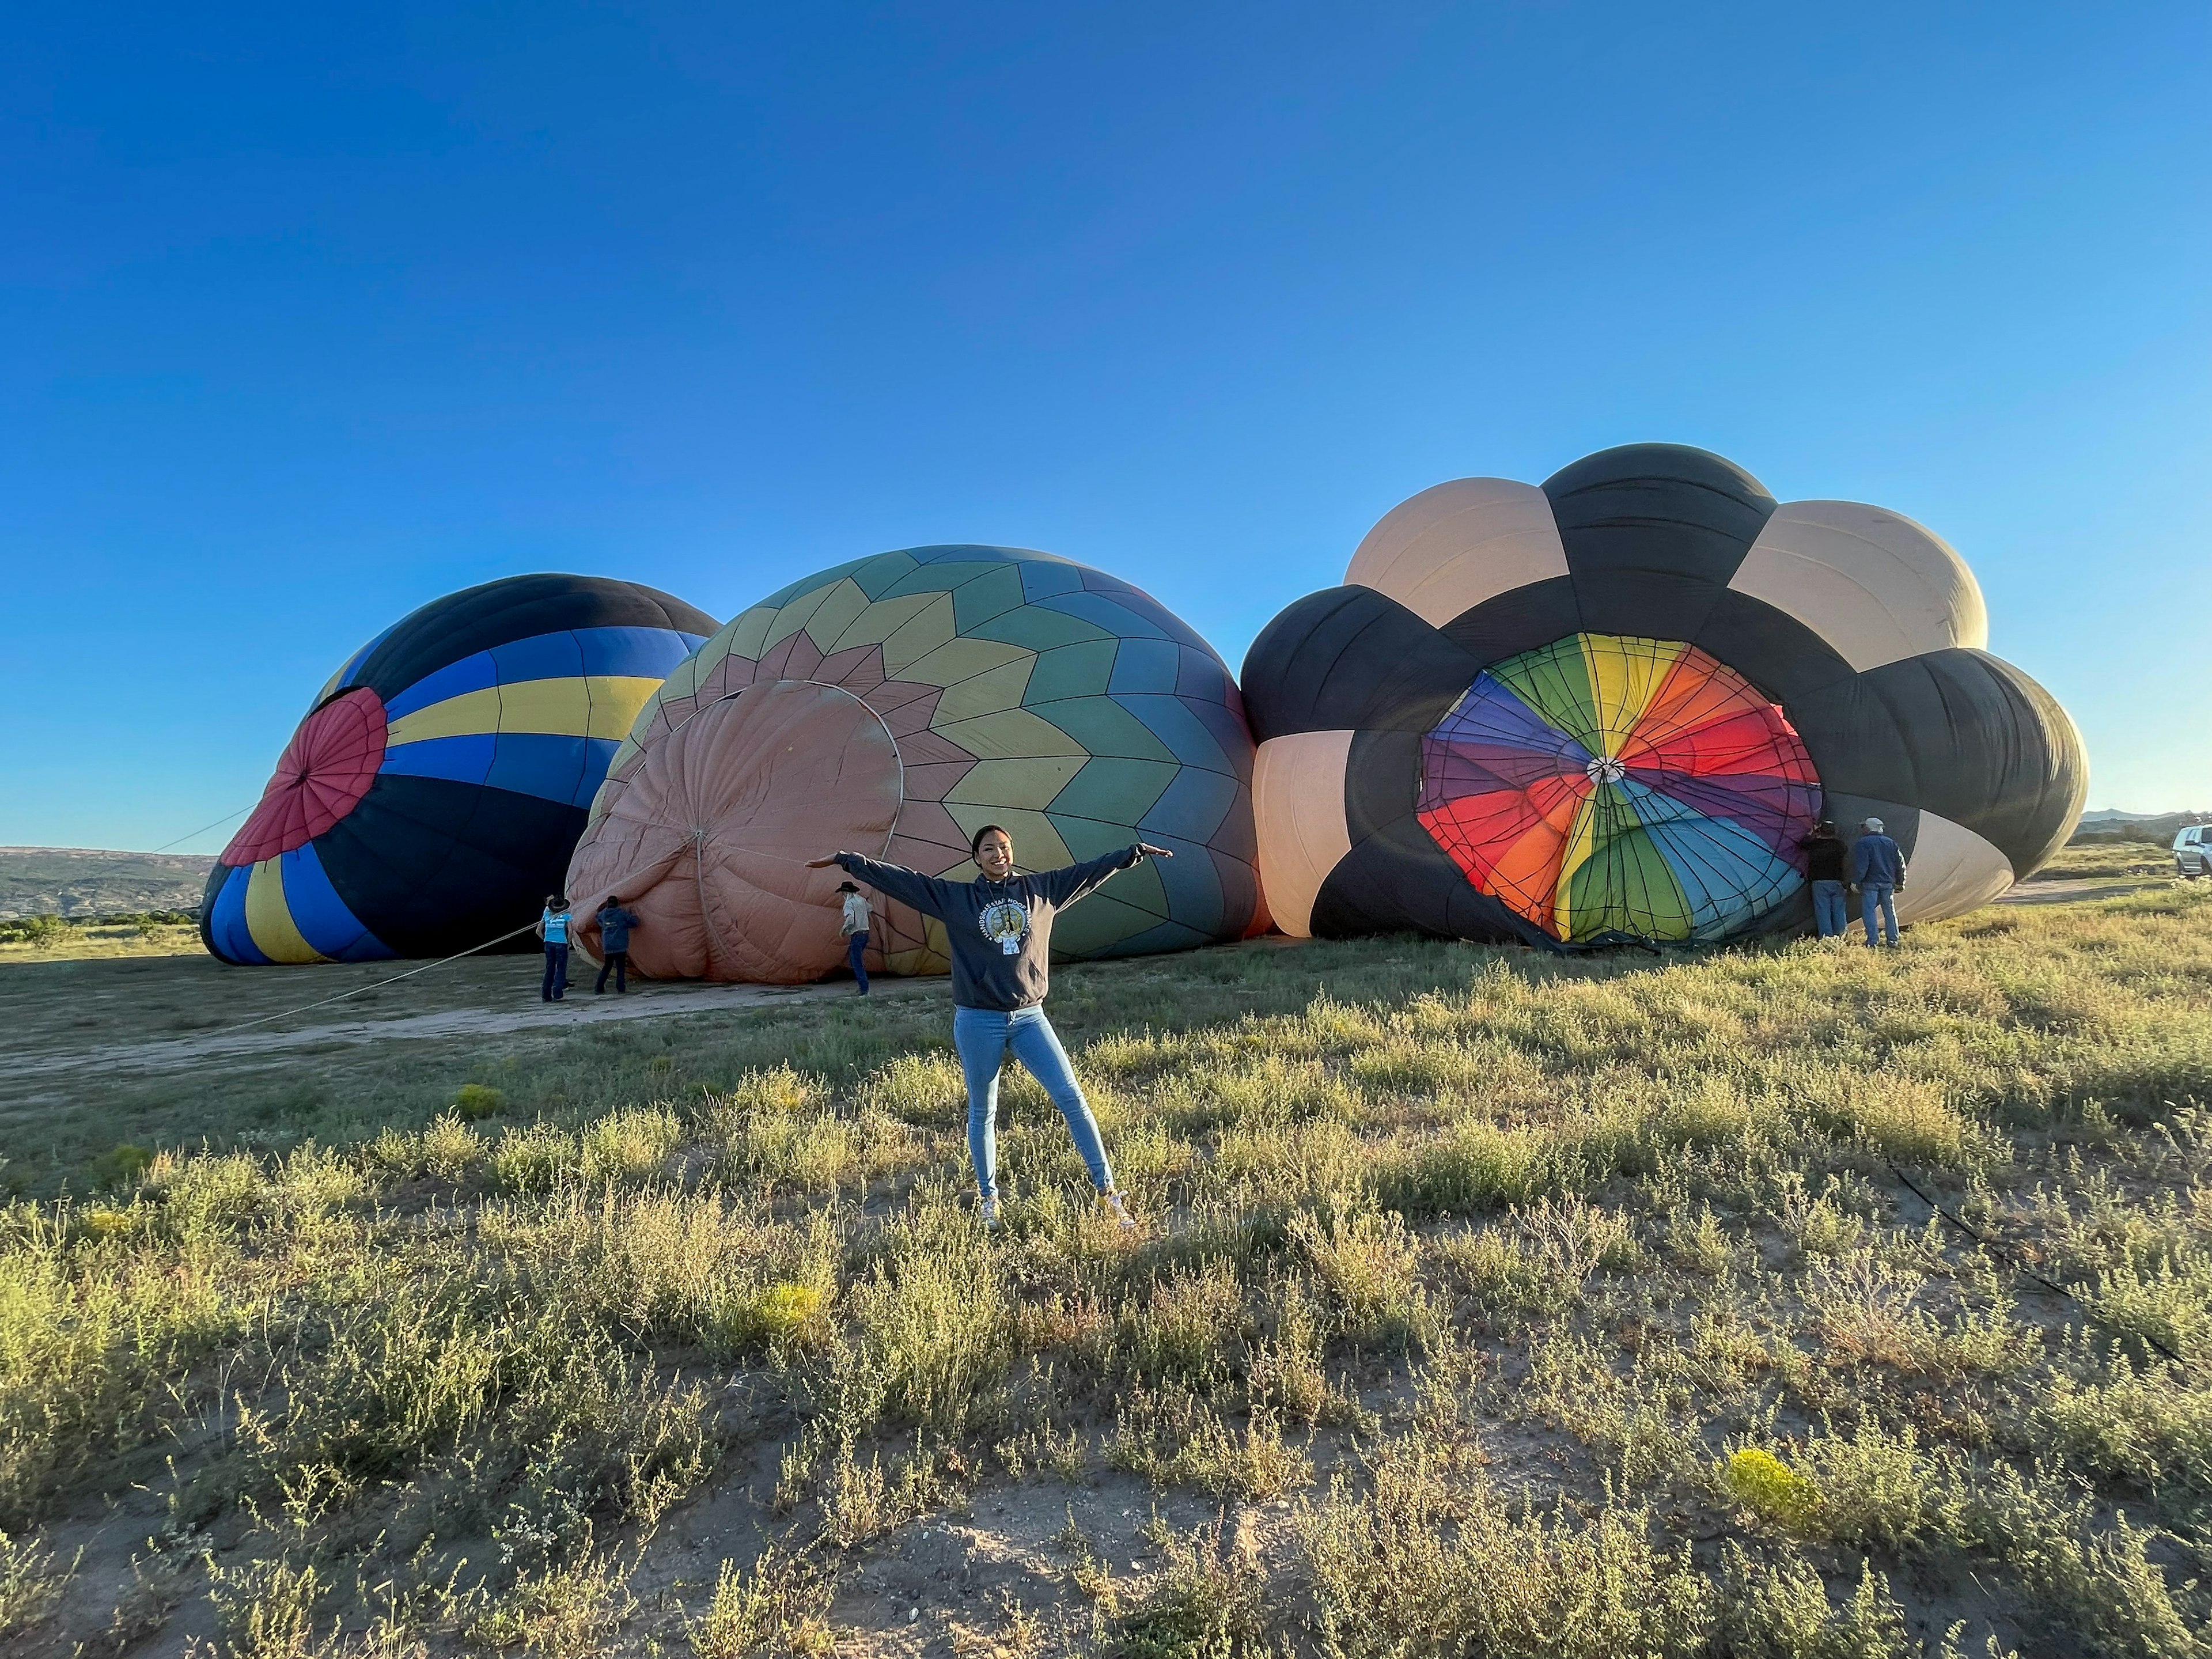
x: 1605, y: 784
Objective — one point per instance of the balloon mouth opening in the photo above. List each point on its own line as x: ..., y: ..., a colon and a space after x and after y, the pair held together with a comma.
x: 713, y: 835
x: 329, y: 765
x: 1606, y: 785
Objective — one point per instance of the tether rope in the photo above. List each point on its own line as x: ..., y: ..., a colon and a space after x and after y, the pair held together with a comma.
x: 362, y: 990
x: 2011, y: 1257
x: 204, y: 828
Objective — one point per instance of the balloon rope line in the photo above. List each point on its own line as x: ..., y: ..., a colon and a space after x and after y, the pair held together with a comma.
x: 204, y: 828
x: 364, y: 989
x: 2011, y: 1257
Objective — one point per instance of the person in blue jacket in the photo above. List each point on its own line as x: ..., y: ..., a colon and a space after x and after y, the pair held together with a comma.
x: 1878, y: 868
x: 999, y: 927
x: 615, y: 923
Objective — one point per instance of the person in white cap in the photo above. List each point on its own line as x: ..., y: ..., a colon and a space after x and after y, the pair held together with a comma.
x: 1878, y: 869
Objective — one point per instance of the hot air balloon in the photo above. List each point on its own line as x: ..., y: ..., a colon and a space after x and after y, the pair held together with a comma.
x: 430, y: 798
x: 893, y: 706
x: 1609, y: 709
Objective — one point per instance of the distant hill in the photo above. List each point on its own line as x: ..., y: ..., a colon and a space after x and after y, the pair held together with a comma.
x: 2114, y: 825
x: 84, y: 881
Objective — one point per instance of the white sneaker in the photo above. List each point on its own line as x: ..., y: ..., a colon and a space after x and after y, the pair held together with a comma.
x: 990, y: 1209
x: 1119, y: 1211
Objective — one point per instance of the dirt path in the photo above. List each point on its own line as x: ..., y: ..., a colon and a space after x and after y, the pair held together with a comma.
x: 170, y: 1053
x: 495, y: 998
x: 2070, y: 892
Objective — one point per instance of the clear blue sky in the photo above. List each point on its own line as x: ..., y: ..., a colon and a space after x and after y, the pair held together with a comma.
x: 308, y: 314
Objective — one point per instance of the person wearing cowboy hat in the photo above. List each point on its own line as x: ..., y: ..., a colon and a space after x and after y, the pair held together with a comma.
x: 853, y: 924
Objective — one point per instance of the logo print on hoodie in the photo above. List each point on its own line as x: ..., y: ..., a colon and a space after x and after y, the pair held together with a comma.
x: 1005, y: 921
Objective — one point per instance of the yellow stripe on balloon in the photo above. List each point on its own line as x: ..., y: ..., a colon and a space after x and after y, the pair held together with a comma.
x: 1582, y: 841
x: 1625, y: 674
x: 581, y: 706
x: 269, y: 919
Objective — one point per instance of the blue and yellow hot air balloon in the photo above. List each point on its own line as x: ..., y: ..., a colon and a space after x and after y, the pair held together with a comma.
x: 431, y: 798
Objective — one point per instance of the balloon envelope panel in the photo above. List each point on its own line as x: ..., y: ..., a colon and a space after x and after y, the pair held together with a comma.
x: 1657, y: 680
x: 963, y: 685
x: 431, y: 797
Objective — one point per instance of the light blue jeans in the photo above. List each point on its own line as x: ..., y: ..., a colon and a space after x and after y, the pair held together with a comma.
x: 1874, y: 895
x: 1830, y: 914
x: 980, y: 1036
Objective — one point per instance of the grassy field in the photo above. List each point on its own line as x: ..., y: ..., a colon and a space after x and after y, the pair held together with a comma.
x: 1486, y: 1304
x: 2078, y: 862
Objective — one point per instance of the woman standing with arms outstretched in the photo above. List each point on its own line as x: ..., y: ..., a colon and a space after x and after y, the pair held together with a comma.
x: 1001, y: 929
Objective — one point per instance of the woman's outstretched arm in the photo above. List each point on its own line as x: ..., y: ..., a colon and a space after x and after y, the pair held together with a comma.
x: 893, y: 881
x: 1063, y: 886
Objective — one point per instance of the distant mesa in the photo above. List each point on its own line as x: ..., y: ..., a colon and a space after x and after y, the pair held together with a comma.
x: 1608, y: 708
x: 2112, y: 825
x: 91, y: 881
x: 892, y: 707
x: 429, y: 799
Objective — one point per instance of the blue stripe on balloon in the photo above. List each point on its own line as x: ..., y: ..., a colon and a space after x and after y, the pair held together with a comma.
x: 540, y: 657
x: 635, y: 653
x: 464, y: 759
x: 226, y: 929
x: 321, y: 915
x: 544, y: 765
x: 599, y: 754
x: 638, y: 652
x: 456, y: 678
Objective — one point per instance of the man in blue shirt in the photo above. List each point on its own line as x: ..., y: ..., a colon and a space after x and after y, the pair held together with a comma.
x: 1878, y: 868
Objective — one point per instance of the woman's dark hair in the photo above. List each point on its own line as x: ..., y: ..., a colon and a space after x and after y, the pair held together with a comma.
x: 976, y: 841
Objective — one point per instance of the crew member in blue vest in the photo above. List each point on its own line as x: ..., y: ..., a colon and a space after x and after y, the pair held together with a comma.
x: 553, y: 928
